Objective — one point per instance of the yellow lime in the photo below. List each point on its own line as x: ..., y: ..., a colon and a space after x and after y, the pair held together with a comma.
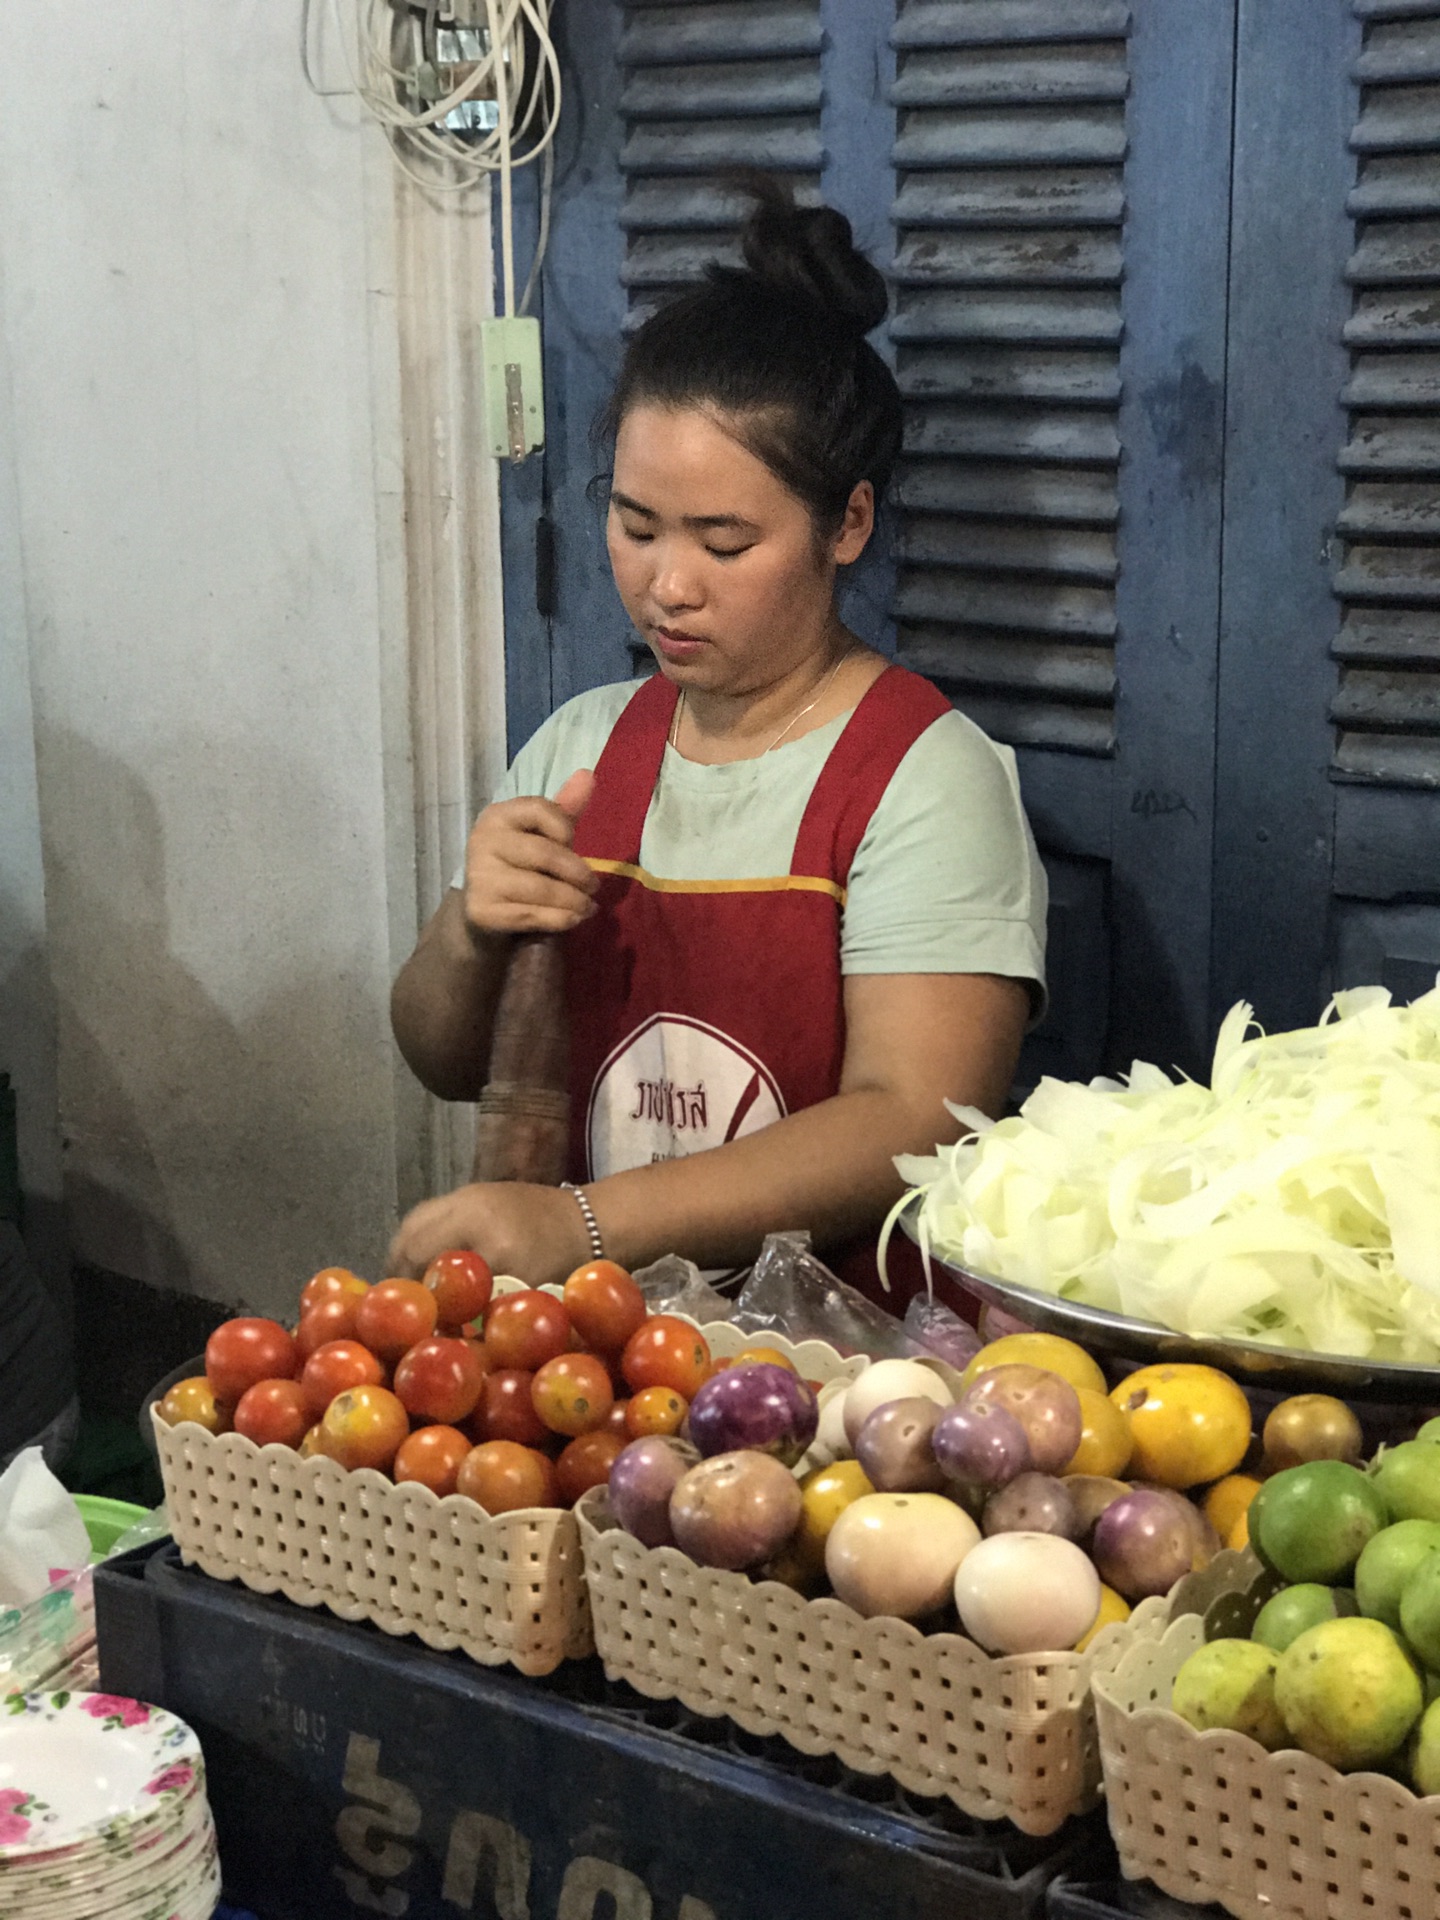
x: 1046, y: 1350
x: 1106, y: 1442
x: 1239, y: 1535
x: 1112, y: 1610
x: 1191, y: 1423
x: 1228, y: 1501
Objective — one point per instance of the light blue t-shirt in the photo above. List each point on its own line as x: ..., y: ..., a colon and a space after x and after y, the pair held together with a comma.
x: 945, y: 880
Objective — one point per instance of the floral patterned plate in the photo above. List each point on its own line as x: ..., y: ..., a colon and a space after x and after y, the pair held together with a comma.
x: 99, y: 1879
x: 81, y: 1770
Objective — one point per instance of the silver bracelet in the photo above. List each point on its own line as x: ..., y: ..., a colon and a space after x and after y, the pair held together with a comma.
x: 592, y: 1225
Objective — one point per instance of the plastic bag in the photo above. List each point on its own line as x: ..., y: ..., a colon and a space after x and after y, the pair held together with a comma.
x: 675, y: 1285
x: 932, y: 1328
x: 792, y: 1292
x: 42, y: 1537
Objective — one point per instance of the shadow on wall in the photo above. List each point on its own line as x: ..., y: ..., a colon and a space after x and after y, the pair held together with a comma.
x: 227, y: 1153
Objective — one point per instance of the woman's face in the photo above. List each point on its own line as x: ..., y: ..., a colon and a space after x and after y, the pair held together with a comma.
x: 716, y: 560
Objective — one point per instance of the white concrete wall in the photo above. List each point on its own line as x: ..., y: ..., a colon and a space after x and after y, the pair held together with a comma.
x: 196, y: 450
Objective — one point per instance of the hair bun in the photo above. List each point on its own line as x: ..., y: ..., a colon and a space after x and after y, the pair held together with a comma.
x: 808, y: 255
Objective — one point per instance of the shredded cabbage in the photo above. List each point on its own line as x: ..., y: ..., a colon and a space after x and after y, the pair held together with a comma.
x: 1296, y: 1200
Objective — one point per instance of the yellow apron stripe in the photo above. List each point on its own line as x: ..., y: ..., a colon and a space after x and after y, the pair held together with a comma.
x: 781, y: 883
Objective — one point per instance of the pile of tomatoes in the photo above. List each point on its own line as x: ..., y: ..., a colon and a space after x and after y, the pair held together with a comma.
x: 516, y: 1400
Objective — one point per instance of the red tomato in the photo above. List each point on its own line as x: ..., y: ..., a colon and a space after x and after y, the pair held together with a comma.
x: 393, y: 1316
x: 194, y: 1399
x: 240, y: 1352
x: 615, y: 1419
x: 586, y: 1463
x: 273, y: 1413
x: 666, y: 1352
x: 506, y: 1411
x: 332, y: 1319
x: 432, y: 1456
x: 503, y: 1477
x: 363, y: 1427
x: 331, y: 1283
x: 526, y: 1329
x: 333, y: 1368
x: 572, y: 1393
x: 655, y: 1410
x: 461, y: 1283
x: 605, y: 1305
x: 441, y: 1378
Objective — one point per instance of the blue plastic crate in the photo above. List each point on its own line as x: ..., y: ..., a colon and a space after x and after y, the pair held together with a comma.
x: 1119, y: 1899
x: 355, y: 1774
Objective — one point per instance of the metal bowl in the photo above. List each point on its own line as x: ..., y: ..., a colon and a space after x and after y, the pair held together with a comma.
x: 1283, y: 1369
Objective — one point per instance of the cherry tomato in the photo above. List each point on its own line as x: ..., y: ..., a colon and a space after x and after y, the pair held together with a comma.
x: 506, y: 1411
x: 503, y: 1477
x: 461, y: 1283
x: 331, y: 1283
x: 572, y: 1393
x: 615, y: 1419
x: 526, y: 1329
x: 655, y: 1410
x: 364, y: 1427
x: 273, y: 1413
x: 335, y: 1367
x: 586, y: 1463
x: 194, y: 1399
x: 332, y: 1319
x: 605, y: 1304
x: 666, y: 1352
x: 765, y: 1357
x: 432, y: 1456
x: 240, y: 1352
x: 441, y: 1378
x: 310, y: 1445
x: 393, y: 1316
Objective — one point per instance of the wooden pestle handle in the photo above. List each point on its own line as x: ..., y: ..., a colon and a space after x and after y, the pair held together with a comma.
x: 523, y: 1123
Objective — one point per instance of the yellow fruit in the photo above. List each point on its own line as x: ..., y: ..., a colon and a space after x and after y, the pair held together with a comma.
x: 1112, y: 1610
x: 1106, y: 1442
x: 1228, y: 1500
x: 1239, y: 1534
x: 825, y: 1492
x: 1046, y: 1350
x: 1191, y: 1424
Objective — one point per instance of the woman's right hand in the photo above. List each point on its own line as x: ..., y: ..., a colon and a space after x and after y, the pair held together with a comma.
x: 522, y: 874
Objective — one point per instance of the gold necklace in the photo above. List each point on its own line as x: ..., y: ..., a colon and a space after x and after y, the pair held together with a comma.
x: 793, y: 721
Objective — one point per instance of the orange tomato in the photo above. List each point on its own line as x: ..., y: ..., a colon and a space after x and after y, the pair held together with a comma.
x: 441, y: 1378
x: 572, y: 1393
x: 502, y: 1477
x: 655, y: 1410
x: 194, y: 1399
x: 526, y: 1329
x: 604, y: 1304
x: 462, y: 1284
x: 333, y: 1368
x: 273, y: 1413
x: 615, y: 1419
x: 1190, y: 1423
x: 364, y: 1427
x: 331, y: 1283
x: 332, y: 1319
x: 393, y: 1316
x: 764, y: 1356
x: 432, y: 1456
x: 505, y: 1410
x: 586, y: 1463
x: 666, y: 1352
x: 241, y: 1351
x: 310, y: 1445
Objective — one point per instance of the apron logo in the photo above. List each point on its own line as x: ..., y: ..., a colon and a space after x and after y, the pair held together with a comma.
x: 675, y: 1086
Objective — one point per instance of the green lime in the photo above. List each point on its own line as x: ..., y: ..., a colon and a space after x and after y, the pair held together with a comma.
x: 1408, y: 1478
x: 1420, y: 1612
x: 1424, y: 1751
x: 1349, y: 1692
x: 1231, y: 1683
x: 1294, y: 1609
x: 1311, y: 1522
x: 1388, y: 1562
x: 1430, y: 1430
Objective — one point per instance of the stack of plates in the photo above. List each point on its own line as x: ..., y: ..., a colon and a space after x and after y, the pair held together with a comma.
x: 102, y: 1812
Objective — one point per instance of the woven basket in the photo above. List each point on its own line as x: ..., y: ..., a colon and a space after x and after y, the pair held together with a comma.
x: 1214, y: 1817
x: 1009, y: 1738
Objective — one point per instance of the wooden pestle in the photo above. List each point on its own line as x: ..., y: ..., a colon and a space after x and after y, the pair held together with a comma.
x: 523, y: 1122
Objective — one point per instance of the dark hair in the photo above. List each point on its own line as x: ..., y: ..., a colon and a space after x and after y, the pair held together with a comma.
x: 779, y: 346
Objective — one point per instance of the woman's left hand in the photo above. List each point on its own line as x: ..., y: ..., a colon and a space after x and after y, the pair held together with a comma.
x: 534, y: 1233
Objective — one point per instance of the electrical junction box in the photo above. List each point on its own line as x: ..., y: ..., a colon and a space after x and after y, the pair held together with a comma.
x: 513, y: 390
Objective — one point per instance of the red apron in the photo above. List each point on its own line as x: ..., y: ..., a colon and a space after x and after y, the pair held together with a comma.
x: 702, y: 1010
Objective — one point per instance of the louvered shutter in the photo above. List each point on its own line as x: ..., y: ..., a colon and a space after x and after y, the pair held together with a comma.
x: 1387, y: 704
x: 1009, y: 157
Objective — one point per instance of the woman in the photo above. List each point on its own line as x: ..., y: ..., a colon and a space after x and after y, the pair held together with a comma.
x: 800, y: 902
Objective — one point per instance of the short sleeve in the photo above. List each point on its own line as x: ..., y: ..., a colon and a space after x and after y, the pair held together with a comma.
x: 946, y: 878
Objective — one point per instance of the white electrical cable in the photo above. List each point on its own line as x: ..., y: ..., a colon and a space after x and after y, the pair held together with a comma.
x: 520, y: 71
